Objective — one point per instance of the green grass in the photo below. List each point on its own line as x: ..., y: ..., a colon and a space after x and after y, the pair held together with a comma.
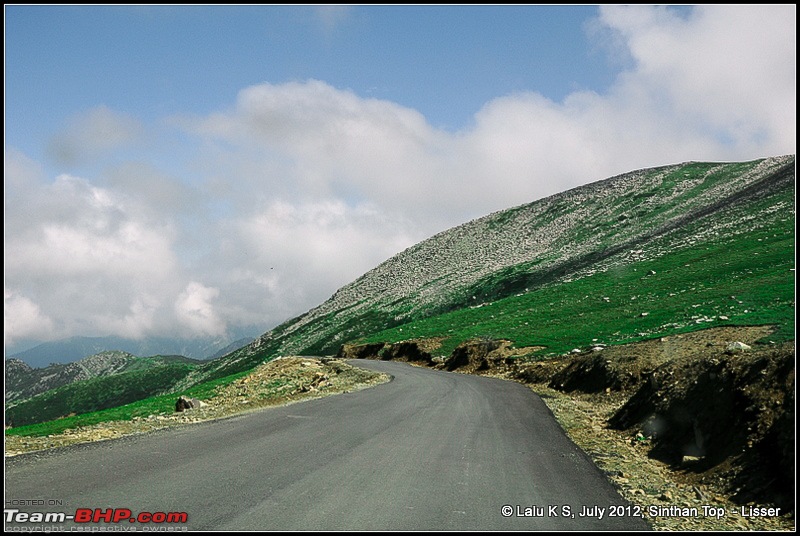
x: 688, y: 286
x: 154, y: 405
x: 96, y: 394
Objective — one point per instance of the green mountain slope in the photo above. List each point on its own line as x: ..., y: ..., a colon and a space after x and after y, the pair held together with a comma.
x: 23, y: 382
x: 96, y: 394
x: 643, y: 254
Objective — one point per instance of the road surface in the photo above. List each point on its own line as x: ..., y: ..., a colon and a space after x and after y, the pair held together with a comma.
x: 429, y: 450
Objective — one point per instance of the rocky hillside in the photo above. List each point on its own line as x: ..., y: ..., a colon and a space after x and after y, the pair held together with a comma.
x: 605, y: 227
x: 23, y: 382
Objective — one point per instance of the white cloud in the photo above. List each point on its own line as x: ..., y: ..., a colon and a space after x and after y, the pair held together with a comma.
x: 302, y: 252
x: 71, y: 227
x: 280, y: 259
x: 153, y: 190
x: 195, y: 311
x: 715, y: 84
x: 90, y: 134
x: 312, y: 141
x: 330, y: 17
x: 141, y: 320
x: 19, y: 173
x: 92, y: 262
x: 729, y: 70
x: 23, y: 319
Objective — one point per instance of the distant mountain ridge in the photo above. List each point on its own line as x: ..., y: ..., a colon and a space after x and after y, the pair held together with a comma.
x: 23, y: 382
x: 75, y: 348
x: 232, y: 347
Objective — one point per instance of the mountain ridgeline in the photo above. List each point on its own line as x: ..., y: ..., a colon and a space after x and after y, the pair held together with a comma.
x: 644, y: 254
x: 75, y: 348
x: 101, y: 381
x: 23, y: 382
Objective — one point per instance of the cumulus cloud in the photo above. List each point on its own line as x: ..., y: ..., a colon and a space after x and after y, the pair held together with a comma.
x: 707, y: 85
x: 23, y: 319
x: 153, y: 190
x: 90, y: 134
x: 19, y: 173
x: 90, y: 261
x: 716, y: 84
x: 196, y: 312
x: 313, y: 141
x: 290, y: 256
x: 722, y: 69
x: 82, y: 229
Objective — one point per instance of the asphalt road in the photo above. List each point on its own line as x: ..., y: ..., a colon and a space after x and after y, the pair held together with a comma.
x: 427, y: 451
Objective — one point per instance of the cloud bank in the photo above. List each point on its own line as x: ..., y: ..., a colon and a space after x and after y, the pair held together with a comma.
x: 300, y: 187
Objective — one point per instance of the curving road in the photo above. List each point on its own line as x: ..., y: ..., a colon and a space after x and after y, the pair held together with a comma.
x: 427, y: 451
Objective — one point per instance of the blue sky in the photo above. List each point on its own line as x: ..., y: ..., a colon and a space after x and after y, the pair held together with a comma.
x: 190, y: 170
x: 157, y: 60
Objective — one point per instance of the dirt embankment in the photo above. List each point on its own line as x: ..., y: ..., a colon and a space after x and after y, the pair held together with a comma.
x: 477, y: 355
x: 683, y: 421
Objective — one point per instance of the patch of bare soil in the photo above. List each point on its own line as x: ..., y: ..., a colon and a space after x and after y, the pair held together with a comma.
x: 281, y: 381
